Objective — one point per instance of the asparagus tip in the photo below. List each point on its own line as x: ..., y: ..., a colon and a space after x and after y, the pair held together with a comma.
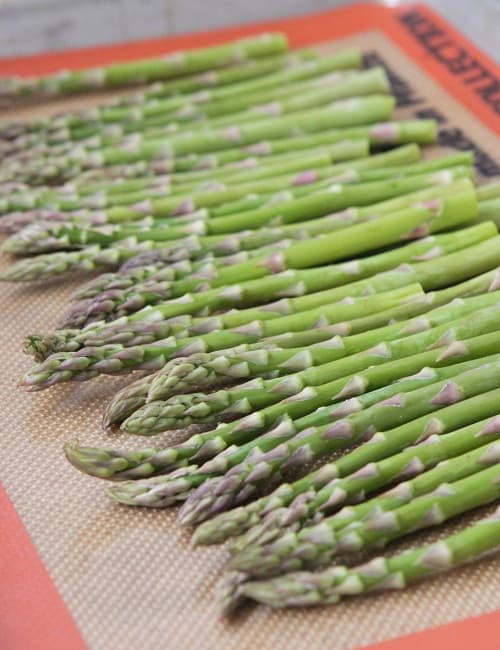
x: 93, y: 460
x: 229, y: 592
x: 36, y: 346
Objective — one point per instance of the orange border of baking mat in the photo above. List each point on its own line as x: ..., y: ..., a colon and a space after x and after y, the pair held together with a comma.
x: 32, y: 604
x: 32, y: 613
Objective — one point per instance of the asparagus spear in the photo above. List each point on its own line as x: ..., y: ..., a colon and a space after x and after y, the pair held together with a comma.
x: 46, y: 236
x: 231, y: 78
x: 182, y: 375
x: 244, y: 480
x: 138, y: 72
x: 235, y: 522
x: 139, y: 253
x: 488, y: 192
x: 165, y: 491
x: 319, y: 87
x: 382, y: 134
x: 154, y: 265
x: 358, y: 194
x: 462, y: 444
x: 125, y: 331
x: 163, y: 117
x: 86, y: 363
x: 343, y: 113
x: 15, y: 221
x: 146, y: 331
x: 172, y: 142
x: 324, y: 367
x: 351, y: 241
x: 89, y: 362
x: 490, y: 211
x: 317, y: 545
x: 294, y: 219
x: 153, y: 160
x: 251, y: 293
x: 238, y: 110
x: 440, y: 207
x: 323, y: 440
x: 136, y: 190
x: 396, y: 572
x: 93, y: 258
x: 414, y: 461
x: 248, y: 76
x: 72, y: 197
x: 308, y: 289
x: 133, y: 396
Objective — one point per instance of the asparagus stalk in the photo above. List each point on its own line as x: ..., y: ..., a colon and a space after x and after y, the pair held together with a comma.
x: 462, y: 444
x: 260, y: 73
x: 226, y: 233
x: 90, y: 258
x: 324, y: 367
x: 344, y: 113
x: 349, y: 242
x: 451, y: 457
x: 490, y: 211
x: 322, y: 441
x: 154, y: 265
x: 129, y: 334
x: 355, y: 169
x: 379, y: 134
x: 72, y: 197
x: 316, y: 164
x: 338, y: 114
x: 239, y: 110
x: 319, y: 88
x: 165, y: 491
x: 183, y: 375
x: 244, y: 479
x: 488, y: 192
x: 235, y: 522
x: 309, y: 289
x: 380, y: 574
x: 257, y: 71
x: 318, y: 545
x: 207, y: 199
x: 89, y: 362
x: 226, y: 246
x: 149, y: 119
x: 146, y: 70
x: 231, y: 78
x: 133, y: 396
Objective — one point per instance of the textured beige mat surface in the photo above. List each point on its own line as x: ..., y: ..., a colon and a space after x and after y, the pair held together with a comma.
x: 128, y: 577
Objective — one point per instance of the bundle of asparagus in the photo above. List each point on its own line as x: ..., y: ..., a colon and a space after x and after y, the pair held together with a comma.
x: 295, y: 282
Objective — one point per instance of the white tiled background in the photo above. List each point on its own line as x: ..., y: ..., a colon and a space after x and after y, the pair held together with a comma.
x: 31, y: 26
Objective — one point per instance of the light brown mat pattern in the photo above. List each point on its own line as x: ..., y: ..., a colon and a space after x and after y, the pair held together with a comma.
x: 129, y: 577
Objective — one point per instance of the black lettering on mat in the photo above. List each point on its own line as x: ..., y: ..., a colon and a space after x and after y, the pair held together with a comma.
x: 449, y: 135
x: 457, y: 60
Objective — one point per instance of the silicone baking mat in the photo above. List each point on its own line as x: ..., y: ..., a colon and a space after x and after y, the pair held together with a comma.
x: 79, y: 572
